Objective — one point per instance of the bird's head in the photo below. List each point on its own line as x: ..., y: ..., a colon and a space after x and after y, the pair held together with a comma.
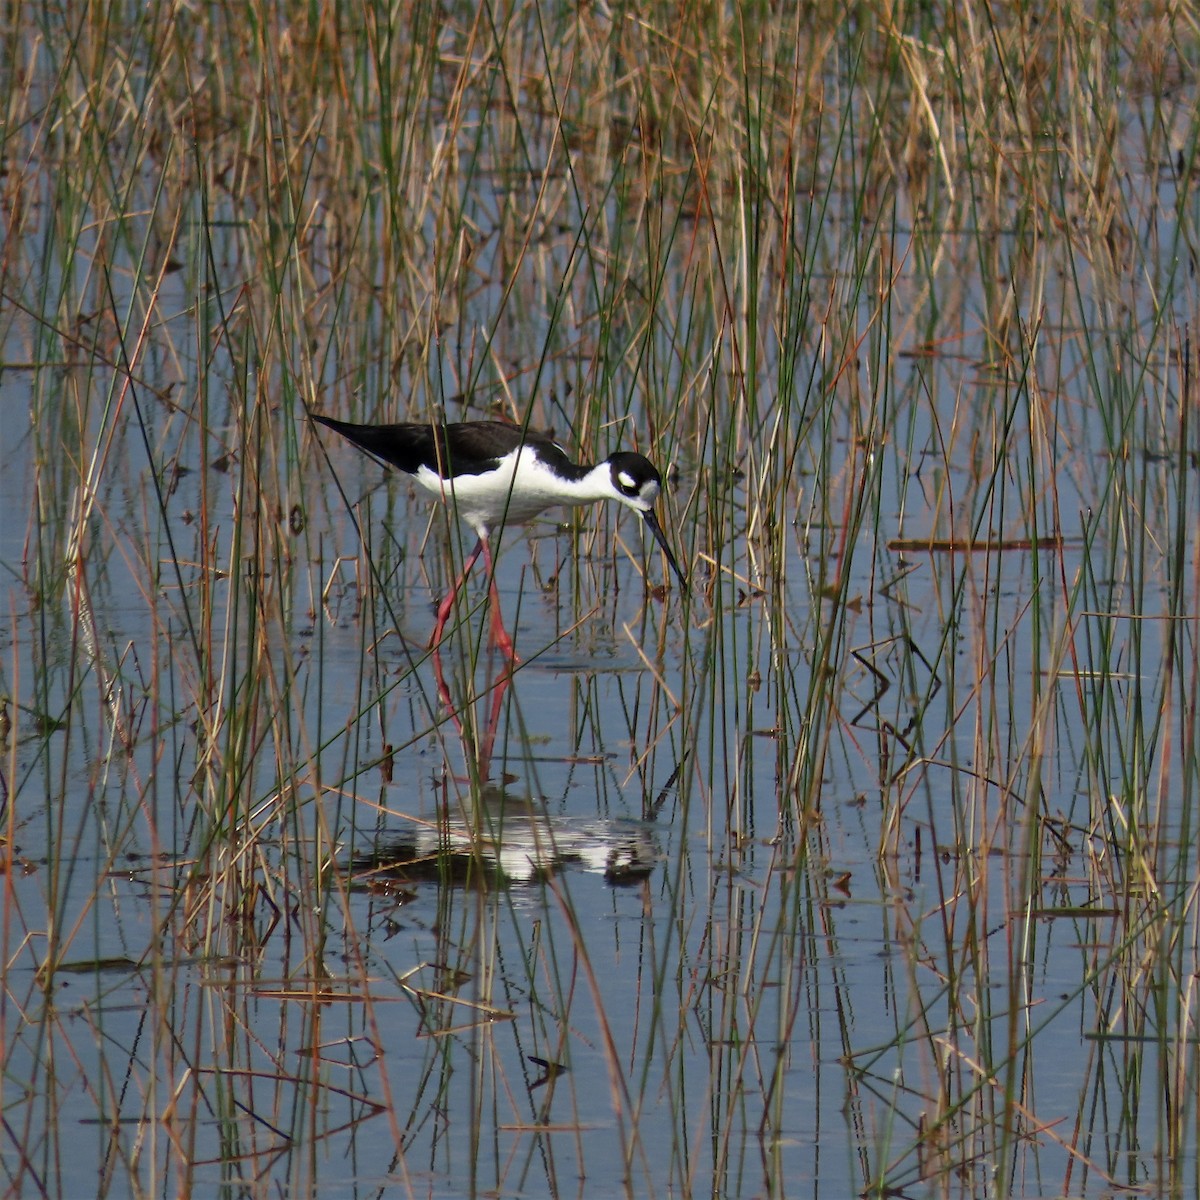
x: 637, y: 484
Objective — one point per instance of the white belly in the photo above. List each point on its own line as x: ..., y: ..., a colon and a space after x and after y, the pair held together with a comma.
x: 520, y: 488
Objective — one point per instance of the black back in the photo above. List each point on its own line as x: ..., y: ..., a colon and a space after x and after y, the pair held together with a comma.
x: 457, y: 448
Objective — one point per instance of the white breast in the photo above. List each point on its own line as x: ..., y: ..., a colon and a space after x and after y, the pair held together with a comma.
x: 520, y: 488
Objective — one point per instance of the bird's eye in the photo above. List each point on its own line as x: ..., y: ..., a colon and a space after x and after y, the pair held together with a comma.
x: 627, y: 483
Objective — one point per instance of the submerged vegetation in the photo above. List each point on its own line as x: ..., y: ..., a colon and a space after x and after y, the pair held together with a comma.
x: 867, y: 867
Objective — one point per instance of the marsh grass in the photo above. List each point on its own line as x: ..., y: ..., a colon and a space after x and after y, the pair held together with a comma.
x: 867, y: 867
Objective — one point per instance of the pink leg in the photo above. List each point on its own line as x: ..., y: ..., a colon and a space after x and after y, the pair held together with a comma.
x: 443, y: 615
x: 447, y: 605
x: 500, y: 635
x: 493, y: 724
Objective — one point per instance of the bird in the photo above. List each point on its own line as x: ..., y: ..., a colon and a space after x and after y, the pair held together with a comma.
x: 496, y: 474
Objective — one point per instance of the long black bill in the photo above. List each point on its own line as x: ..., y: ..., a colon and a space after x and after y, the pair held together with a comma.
x: 660, y: 537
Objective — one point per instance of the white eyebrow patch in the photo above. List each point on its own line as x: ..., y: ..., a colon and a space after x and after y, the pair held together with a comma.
x: 626, y: 480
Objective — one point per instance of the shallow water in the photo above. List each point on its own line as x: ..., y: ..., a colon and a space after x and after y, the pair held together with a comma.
x: 626, y: 960
x: 867, y: 867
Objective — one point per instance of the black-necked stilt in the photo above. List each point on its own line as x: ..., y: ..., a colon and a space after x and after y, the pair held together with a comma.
x: 496, y: 474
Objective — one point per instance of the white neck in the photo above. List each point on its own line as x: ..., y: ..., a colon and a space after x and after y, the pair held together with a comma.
x: 595, y: 485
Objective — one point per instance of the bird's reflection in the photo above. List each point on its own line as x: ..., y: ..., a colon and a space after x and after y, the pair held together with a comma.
x: 489, y: 826
x: 502, y: 837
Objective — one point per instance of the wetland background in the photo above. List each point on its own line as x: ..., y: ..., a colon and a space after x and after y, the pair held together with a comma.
x: 867, y: 867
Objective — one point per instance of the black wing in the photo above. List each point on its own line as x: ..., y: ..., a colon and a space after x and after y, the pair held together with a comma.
x: 459, y: 448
